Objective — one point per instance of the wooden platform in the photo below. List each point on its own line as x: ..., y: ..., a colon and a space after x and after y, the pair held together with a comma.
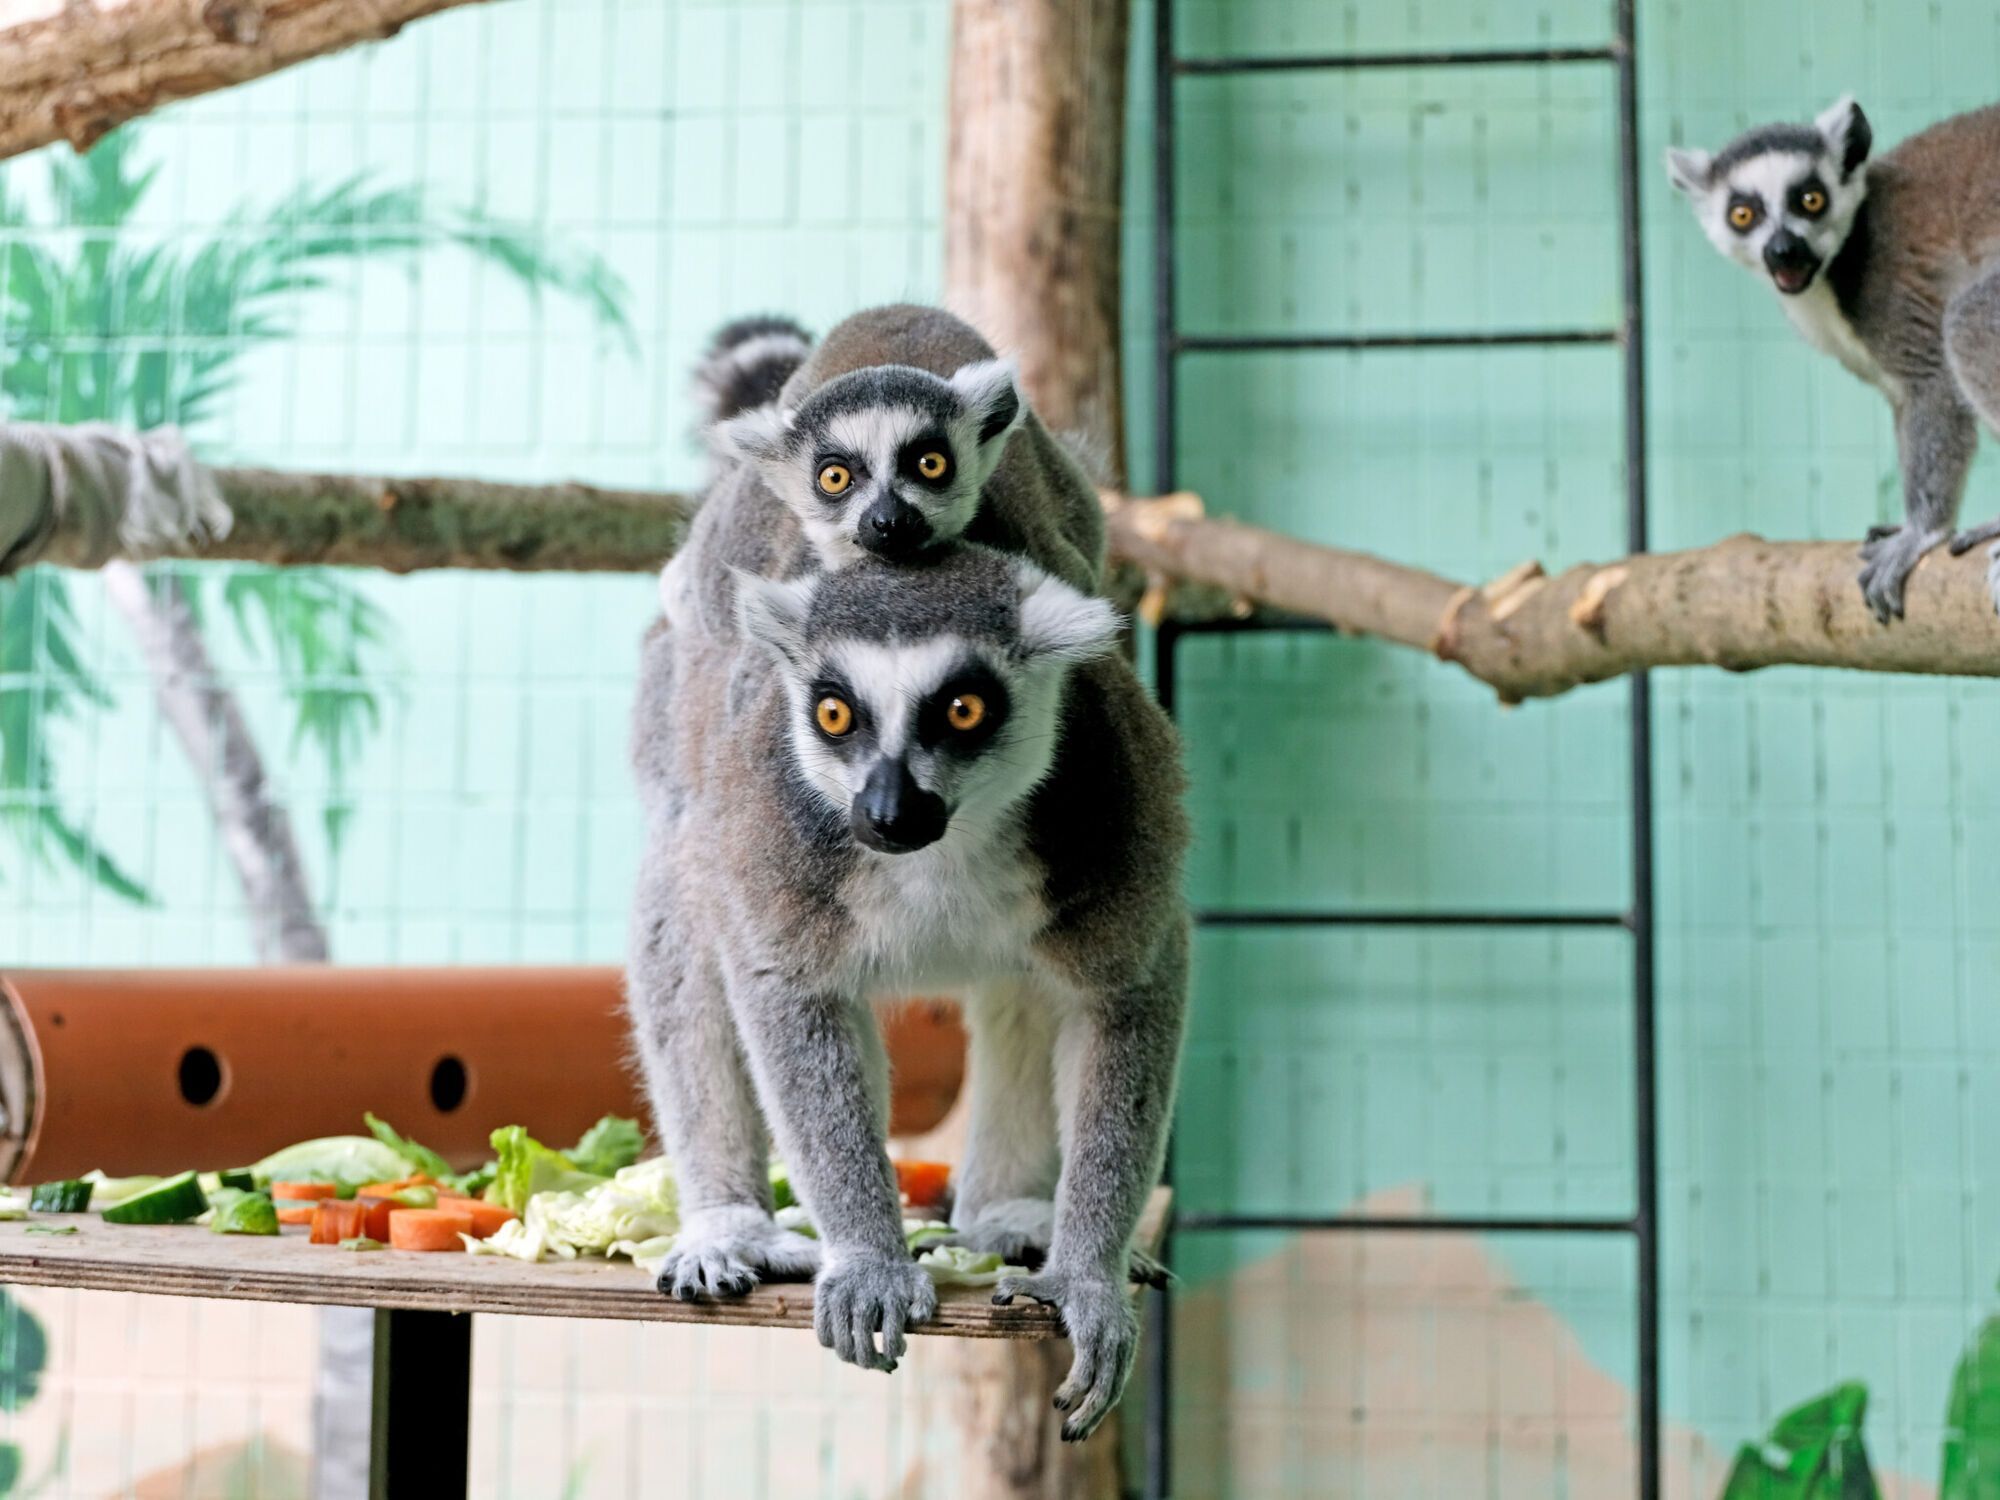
x: 190, y: 1261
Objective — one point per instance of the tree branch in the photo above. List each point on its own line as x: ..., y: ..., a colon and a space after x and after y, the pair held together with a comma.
x: 1740, y: 604
x: 81, y: 68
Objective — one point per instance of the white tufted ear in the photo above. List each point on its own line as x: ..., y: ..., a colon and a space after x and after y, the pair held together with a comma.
x: 1848, y: 133
x: 1691, y: 171
x: 774, y: 611
x: 1060, y: 624
x: 991, y: 391
x: 761, y: 434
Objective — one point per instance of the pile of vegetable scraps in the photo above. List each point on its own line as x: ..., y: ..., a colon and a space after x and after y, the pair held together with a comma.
x: 385, y: 1191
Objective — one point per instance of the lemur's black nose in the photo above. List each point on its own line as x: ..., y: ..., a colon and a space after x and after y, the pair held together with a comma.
x: 1790, y: 260
x: 893, y: 815
x: 892, y: 527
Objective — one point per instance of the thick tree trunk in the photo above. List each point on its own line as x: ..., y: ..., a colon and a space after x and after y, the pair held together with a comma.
x: 1033, y: 198
x: 76, y: 69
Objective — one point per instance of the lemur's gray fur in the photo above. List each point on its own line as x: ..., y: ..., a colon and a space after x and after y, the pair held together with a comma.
x: 798, y: 867
x: 885, y: 393
x: 1893, y: 267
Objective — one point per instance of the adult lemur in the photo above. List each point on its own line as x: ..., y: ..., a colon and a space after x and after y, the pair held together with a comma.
x: 886, y: 779
x: 900, y: 432
x: 1893, y: 267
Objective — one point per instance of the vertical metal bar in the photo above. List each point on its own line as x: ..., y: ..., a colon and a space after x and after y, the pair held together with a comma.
x: 1160, y: 1409
x: 1165, y: 339
x: 1644, y: 1071
x: 421, y: 1439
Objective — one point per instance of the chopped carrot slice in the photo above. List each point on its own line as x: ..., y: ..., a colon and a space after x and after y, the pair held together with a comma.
x: 336, y: 1219
x: 923, y: 1182
x: 427, y: 1229
x: 384, y: 1189
x: 296, y: 1213
x: 376, y: 1209
x: 486, y: 1217
x: 310, y: 1192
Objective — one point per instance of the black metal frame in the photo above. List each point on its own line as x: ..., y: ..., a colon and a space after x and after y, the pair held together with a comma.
x: 421, y: 1416
x: 1643, y: 1221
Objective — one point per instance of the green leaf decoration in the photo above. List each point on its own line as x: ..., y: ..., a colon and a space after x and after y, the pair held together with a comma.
x: 24, y: 1355
x: 1815, y: 1452
x: 1972, y: 1421
x: 101, y: 321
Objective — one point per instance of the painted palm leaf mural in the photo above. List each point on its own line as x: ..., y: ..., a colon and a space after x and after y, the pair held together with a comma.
x: 100, y: 322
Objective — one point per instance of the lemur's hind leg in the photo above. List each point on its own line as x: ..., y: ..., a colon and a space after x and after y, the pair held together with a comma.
x: 706, y: 1113
x: 1003, y: 1198
x: 1972, y: 347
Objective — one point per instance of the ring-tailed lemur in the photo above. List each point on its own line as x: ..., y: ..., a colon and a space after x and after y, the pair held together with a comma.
x: 1893, y: 267
x: 916, y: 778
x: 902, y: 431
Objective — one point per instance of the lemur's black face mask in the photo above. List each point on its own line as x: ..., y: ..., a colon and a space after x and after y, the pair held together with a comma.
x: 1791, y: 262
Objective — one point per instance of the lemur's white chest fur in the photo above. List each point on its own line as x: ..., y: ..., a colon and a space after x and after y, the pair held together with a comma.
x: 961, y: 911
x: 1816, y: 314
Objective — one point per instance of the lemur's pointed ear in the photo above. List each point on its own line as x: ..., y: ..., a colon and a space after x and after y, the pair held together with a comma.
x: 1060, y: 624
x: 760, y: 434
x: 773, y: 611
x: 1691, y: 171
x: 1848, y: 133
x: 991, y: 391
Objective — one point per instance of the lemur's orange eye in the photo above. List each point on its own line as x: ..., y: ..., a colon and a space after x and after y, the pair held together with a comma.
x: 834, y: 716
x: 834, y: 479
x: 933, y: 465
x: 1742, y: 216
x: 1812, y: 201
x: 967, y: 712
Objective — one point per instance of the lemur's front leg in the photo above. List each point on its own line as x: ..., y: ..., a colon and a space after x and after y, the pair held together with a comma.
x: 1935, y: 439
x: 1115, y: 1063
x: 817, y: 1057
x: 706, y: 1114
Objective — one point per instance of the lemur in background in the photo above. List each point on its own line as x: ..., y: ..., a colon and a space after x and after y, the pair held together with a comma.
x: 901, y: 432
x: 928, y: 777
x: 1893, y: 267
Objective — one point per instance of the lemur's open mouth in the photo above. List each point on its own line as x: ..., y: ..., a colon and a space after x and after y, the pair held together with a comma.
x: 1793, y: 279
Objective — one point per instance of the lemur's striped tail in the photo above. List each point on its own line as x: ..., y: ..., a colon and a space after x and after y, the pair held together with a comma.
x: 747, y: 364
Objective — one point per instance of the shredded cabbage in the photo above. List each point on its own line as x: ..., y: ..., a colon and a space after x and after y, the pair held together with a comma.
x: 955, y: 1265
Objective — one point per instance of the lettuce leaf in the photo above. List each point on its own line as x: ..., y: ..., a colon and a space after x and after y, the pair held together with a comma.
x: 525, y: 1167
x: 613, y: 1142
x: 420, y: 1158
x: 351, y: 1161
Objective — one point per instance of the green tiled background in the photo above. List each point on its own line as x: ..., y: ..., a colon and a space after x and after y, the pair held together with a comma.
x: 1829, y: 855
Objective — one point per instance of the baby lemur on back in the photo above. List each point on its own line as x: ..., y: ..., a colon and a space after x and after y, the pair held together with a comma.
x: 928, y: 776
x: 1892, y: 266
x: 902, y: 431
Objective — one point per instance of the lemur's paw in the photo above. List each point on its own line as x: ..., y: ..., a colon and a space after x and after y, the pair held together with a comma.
x: 1886, y: 564
x: 723, y: 1252
x: 1103, y: 1329
x: 1019, y: 1231
x: 1964, y: 541
x: 860, y: 1295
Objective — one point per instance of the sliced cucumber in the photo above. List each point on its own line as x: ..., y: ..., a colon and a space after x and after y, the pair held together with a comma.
x: 71, y: 1197
x: 237, y: 1177
x: 174, y: 1201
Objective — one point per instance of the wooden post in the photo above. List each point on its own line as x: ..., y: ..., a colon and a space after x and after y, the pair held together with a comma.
x: 1032, y: 205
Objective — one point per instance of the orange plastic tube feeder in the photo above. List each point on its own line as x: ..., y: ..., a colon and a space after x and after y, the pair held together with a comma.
x: 155, y: 1070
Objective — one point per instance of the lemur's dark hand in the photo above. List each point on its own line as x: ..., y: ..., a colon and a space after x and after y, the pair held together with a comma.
x: 1103, y: 1329
x: 860, y: 1294
x: 1886, y: 564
